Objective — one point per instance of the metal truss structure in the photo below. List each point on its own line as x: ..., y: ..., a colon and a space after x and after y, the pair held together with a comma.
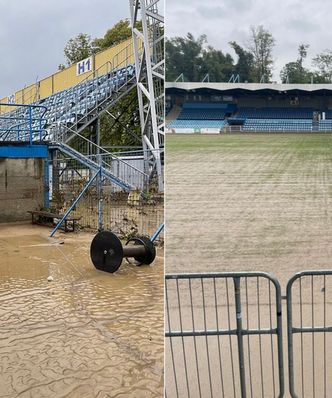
x: 148, y: 36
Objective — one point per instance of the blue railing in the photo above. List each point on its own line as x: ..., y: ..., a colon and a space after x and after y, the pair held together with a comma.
x: 23, y: 123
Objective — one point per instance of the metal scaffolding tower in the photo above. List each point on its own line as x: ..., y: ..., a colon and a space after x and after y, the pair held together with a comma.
x: 148, y: 37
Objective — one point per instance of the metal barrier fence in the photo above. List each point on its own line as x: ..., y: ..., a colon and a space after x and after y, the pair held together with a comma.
x: 223, y: 335
x: 309, y: 316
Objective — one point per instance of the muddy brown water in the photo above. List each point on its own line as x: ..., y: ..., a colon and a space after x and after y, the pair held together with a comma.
x: 84, y: 334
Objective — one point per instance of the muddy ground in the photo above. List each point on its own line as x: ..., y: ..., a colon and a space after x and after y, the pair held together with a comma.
x: 253, y: 202
x: 249, y: 202
x: 83, y: 334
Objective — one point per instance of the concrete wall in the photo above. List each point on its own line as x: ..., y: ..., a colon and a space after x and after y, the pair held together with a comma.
x: 21, y: 188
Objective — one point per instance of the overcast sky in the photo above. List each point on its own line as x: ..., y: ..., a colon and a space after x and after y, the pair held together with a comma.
x: 290, y: 21
x: 33, y: 34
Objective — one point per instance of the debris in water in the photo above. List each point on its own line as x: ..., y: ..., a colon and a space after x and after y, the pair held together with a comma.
x: 50, y: 278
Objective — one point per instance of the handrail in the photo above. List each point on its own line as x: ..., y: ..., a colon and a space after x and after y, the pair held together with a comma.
x: 106, y: 152
x: 25, y: 120
x: 24, y: 105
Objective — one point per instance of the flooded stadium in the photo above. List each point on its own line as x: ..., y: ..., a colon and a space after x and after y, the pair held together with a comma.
x: 70, y: 330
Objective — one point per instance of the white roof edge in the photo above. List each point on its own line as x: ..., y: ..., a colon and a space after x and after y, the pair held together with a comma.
x: 248, y: 86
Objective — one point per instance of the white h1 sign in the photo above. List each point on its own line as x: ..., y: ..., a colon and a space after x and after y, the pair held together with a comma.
x: 84, y: 66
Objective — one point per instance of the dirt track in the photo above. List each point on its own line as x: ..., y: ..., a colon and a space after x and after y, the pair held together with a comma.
x: 84, y: 334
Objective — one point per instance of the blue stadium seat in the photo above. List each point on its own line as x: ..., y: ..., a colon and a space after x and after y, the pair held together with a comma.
x: 197, y: 124
x: 205, y: 111
x: 68, y: 106
x: 325, y: 125
x: 278, y: 125
x: 275, y: 113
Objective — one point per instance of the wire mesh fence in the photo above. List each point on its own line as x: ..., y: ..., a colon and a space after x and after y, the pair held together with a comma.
x: 102, y: 205
x: 223, y: 336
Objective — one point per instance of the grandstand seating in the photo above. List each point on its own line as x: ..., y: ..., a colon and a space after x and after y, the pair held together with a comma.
x: 275, y: 113
x: 69, y: 107
x: 197, y: 115
x: 202, y: 114
x: 282, y: 119
x: 197, y: 124
x: 270, y: 119
x: 278, y: 125
x: 325, y: 125
x: 61, y: 116
x: 328, y: 113
x: 209, y: 105
x: 205, y: 111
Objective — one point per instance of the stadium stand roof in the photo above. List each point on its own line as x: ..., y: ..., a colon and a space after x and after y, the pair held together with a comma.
x: 238, y: 87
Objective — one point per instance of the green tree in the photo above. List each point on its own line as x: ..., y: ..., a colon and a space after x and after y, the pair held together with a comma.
x: 118, y: 33
x: 122, y: 125
x: 244, y: 65
x: 261, y: 45
x: 218, y: 65
x: 184, y: 55
x: 78, y: 48
x: 303, y: 52
x: 294, y: 72
x: 323, y: 62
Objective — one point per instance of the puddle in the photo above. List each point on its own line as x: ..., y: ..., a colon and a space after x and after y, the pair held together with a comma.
x: 83, y: 334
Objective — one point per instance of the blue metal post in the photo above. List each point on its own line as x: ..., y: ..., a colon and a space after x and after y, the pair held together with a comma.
x: 100, y: 202
x: 30, y: 123
x: 99, y: 179
x: 157, y: 233
x: 46, y: 185
x: 74, y: 204
x: 40, y: 129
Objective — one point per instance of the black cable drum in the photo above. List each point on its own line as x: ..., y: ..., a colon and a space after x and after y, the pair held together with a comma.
x: 106, y: 251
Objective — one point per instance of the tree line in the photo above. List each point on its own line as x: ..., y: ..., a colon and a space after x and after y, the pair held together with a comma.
x: 194, y: 58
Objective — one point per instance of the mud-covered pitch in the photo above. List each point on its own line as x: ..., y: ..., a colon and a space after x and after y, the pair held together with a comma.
x: 249, y: 202
x: 246, y: 202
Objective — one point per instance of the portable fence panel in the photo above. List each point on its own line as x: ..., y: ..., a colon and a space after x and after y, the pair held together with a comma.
x: 309, y: 313
x: 223, y: 336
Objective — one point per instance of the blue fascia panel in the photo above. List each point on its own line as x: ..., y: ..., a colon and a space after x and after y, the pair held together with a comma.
x: 26, y: 151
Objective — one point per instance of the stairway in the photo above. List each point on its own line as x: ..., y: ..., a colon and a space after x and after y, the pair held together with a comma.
x: 173, y: 114
x: 92, y: 165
